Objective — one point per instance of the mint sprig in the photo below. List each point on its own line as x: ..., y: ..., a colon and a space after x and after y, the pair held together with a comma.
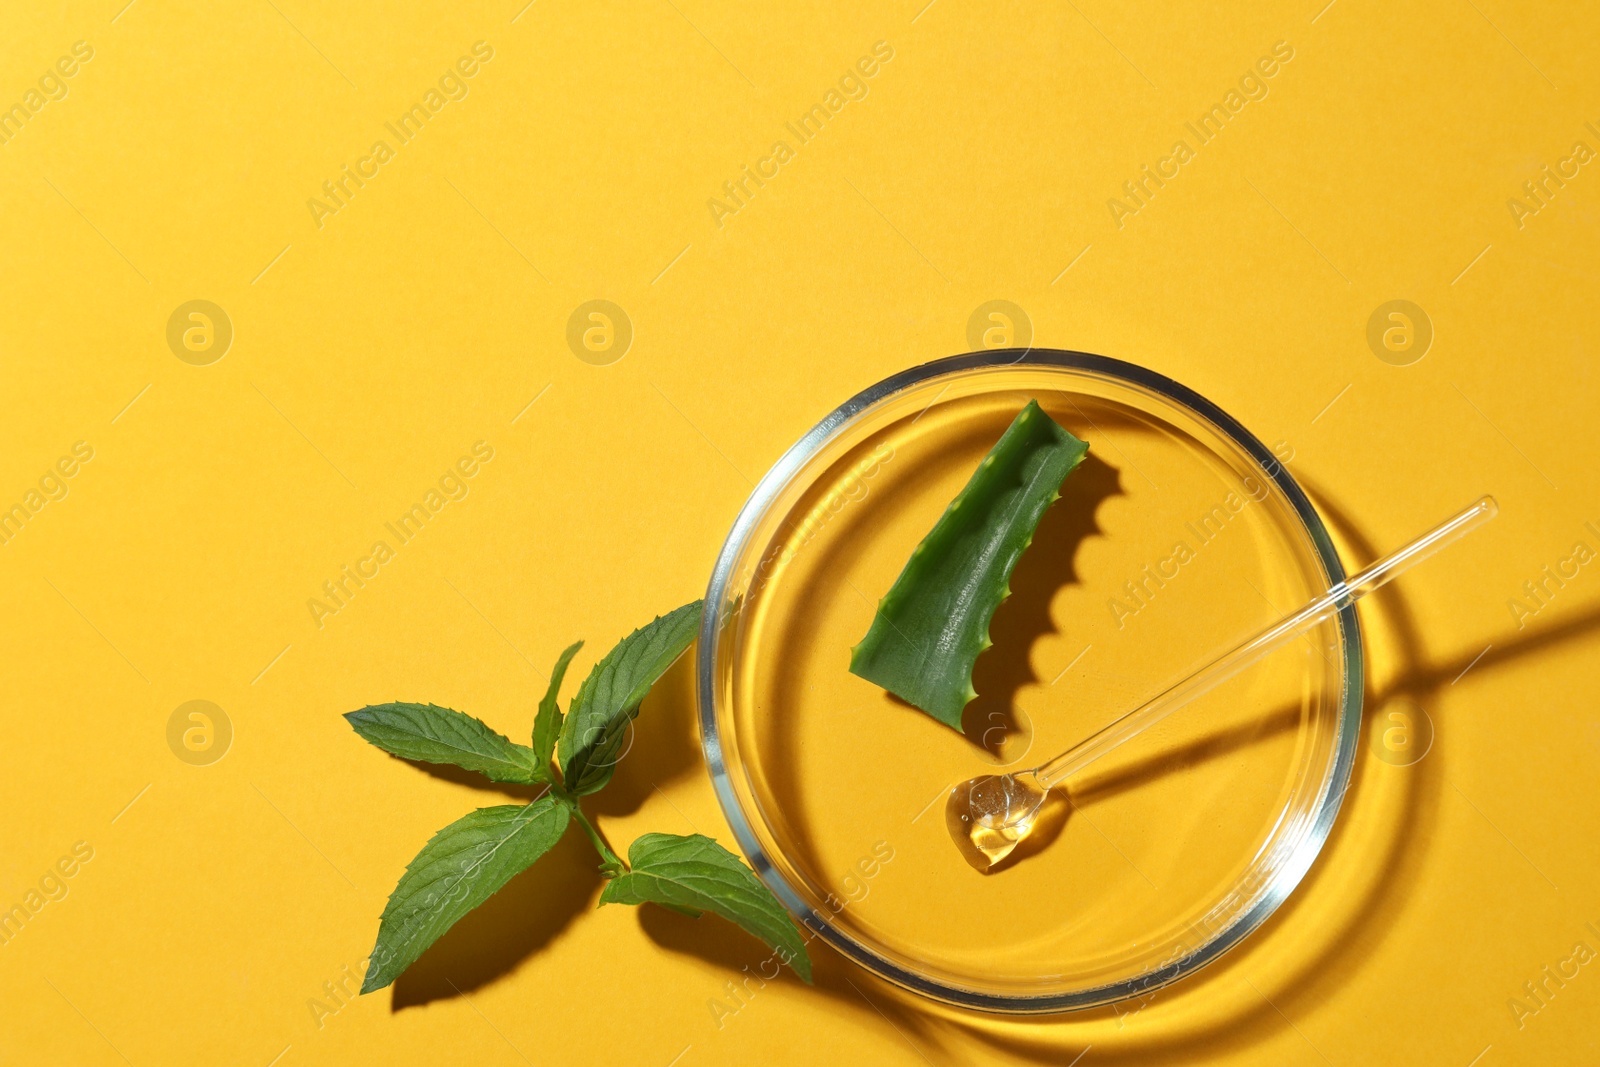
x: 471, y: 859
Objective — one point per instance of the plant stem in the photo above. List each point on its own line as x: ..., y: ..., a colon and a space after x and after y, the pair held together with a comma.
x: 612, y: 864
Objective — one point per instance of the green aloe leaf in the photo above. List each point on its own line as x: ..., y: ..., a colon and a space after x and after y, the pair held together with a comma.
x: 433, y: 734
x: 547, y: 725
x: 695, y: 874
x: 597, y: 721
x: 934, y: 621
x: 462, y: 866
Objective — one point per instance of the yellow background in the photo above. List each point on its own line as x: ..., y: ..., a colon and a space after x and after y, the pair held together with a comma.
x: 370, y: 353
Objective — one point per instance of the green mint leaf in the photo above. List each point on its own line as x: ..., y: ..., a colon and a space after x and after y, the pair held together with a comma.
x: 693, y: 913
x: 438, y: 735
x: 597, y: 720
x: 547, y: 725
x: 934, y: 621
x: 695, y: 874
x: 462, y: 866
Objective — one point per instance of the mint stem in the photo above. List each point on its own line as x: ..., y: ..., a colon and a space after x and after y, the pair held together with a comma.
x: 612, y: 864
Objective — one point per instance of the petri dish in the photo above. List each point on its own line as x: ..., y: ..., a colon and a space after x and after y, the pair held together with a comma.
x: 1181, y: 533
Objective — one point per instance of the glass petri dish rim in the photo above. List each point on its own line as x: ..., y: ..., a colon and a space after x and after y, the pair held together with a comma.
x: 713, y: 627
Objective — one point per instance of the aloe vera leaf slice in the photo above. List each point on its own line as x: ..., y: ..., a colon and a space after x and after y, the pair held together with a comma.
x: 934, y: 621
